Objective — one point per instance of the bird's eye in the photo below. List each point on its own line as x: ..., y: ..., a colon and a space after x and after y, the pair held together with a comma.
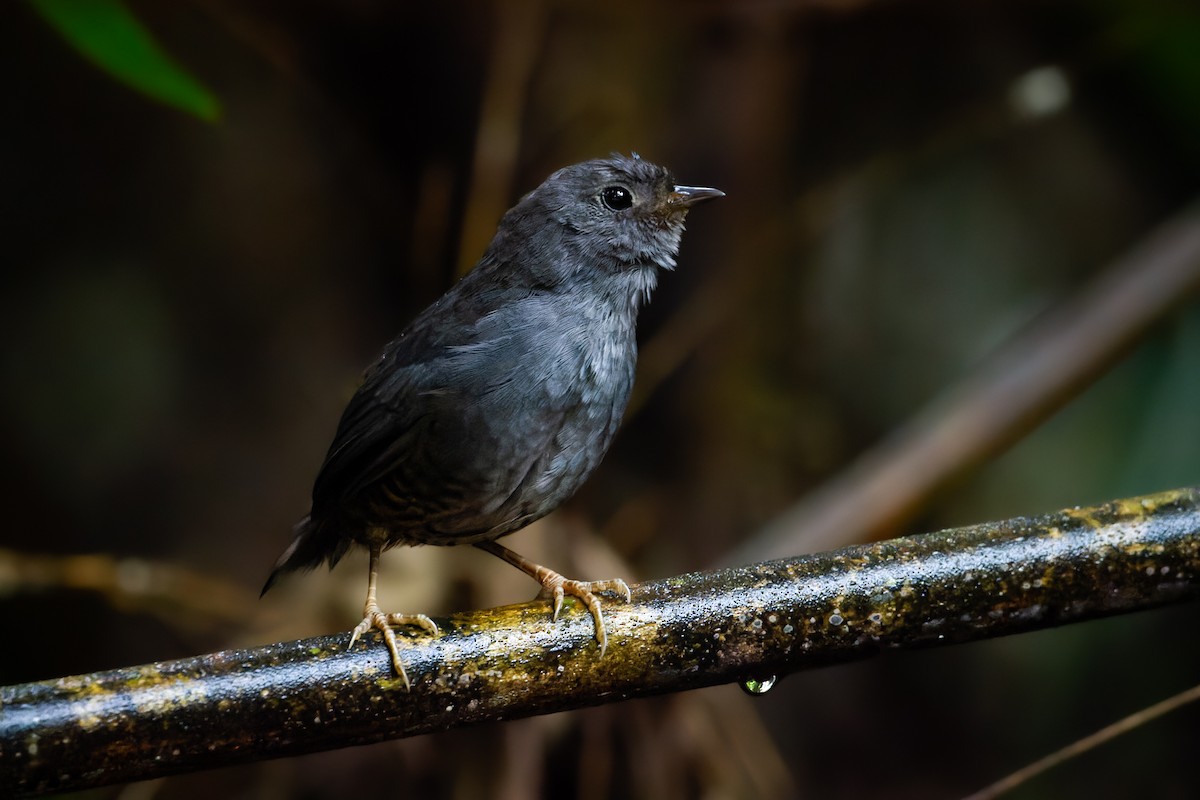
x: 617, y: 198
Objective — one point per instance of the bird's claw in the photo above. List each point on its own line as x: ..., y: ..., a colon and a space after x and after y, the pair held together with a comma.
x: 374, y: 618
x: 558, y: 601
x: 586, y: 592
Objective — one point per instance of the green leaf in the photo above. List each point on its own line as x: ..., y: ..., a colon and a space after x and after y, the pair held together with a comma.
x: 108, y: 35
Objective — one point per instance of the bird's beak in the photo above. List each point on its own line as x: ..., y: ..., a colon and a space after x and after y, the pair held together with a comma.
x: 688, y: 196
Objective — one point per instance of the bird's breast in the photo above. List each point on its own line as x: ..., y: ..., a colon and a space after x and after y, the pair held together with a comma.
x: 515, y: 420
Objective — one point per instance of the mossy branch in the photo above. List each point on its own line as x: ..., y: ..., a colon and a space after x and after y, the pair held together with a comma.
x: 681, y: 633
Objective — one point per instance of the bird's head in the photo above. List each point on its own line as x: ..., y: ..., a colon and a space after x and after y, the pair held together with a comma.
x: 604, y: 226
x: 621, y: 209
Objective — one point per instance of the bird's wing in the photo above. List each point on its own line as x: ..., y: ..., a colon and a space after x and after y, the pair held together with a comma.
x: 386, y: 421
x: 378, y: 423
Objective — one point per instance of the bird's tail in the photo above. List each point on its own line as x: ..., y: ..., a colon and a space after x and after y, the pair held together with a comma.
x: 311, y: 546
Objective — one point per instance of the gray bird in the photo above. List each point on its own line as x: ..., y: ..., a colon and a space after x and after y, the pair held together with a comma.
x: 496, y: 403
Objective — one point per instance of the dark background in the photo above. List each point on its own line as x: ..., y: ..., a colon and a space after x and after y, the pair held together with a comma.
x: 186, y: 306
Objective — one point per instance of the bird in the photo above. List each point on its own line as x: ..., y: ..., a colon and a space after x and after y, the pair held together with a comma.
x: 496, y: 403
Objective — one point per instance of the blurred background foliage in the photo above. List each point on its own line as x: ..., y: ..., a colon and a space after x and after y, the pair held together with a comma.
x: 217, y: 212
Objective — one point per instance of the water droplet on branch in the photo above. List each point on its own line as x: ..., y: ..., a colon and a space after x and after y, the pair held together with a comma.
x: 758, y: 686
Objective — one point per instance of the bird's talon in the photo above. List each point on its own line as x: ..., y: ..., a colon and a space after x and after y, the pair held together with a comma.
x: 359, y: 630
x: 558, y: 586
x: 374, y: 618
x: 624, y: 589
x: 558, y: 602
x: 419, y: 620
x: 586, y: 592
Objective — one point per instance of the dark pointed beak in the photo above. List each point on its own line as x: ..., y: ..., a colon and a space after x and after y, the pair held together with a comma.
x: 688, y: 196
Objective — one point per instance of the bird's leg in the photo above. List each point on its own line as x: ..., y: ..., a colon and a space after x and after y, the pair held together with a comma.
x: 557, y: 586
x: 374, y: 618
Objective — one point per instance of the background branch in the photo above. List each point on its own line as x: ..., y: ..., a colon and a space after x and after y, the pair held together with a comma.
x: 1027, y: 381
x: 695, y: 630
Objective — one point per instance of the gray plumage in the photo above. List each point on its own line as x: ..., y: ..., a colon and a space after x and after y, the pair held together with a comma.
x: 497, y: 402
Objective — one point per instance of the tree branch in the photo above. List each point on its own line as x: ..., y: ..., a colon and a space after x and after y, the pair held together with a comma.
x: 681, y: 633
x: 1028, y: 379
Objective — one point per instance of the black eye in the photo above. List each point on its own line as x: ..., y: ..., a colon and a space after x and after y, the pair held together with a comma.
x: 618, y: 198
